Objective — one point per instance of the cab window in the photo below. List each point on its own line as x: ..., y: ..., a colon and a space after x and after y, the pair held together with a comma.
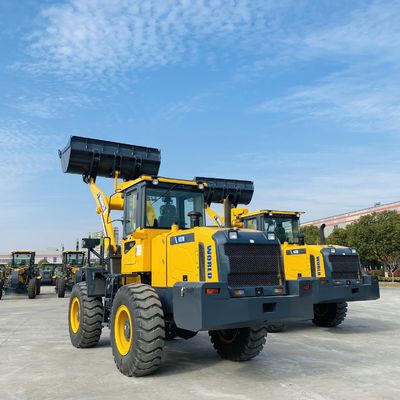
x: 251, y: 223
x: 165, y: 207
x: 130, y: 212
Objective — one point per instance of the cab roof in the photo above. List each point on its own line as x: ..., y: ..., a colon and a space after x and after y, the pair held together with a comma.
x: 146, y: 178
x: 272, y: 212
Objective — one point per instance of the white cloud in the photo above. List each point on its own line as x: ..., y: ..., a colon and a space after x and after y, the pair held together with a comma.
x: 49, y: 105
x: 360, y: 99
x: 101, y: 38
x: 363, y: 48
x: 24, y: 153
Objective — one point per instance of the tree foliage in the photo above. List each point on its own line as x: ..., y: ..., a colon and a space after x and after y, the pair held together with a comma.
x: 375, y: 236
x: 311, y: 234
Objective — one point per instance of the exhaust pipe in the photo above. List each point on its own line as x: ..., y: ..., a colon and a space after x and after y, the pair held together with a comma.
x: 322, y: 238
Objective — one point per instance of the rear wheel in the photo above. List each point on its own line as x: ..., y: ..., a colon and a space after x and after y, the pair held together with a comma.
x: 240, y: 344
x: 137, y: 330
x: 85, y: 317
x: 32, y: 288
x: 330, y: 314
x: 60, y: 287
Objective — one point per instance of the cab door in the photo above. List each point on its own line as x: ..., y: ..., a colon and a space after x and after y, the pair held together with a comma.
x: 130, y: 246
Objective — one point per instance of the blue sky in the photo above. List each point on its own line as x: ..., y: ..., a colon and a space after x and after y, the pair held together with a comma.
x: 300, y: 96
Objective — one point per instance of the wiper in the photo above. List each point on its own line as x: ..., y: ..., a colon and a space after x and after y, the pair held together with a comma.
x: 164, y: 194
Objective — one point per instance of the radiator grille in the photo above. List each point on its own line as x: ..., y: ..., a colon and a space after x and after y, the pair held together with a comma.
x: 345, y: 267
x: 253, y: 264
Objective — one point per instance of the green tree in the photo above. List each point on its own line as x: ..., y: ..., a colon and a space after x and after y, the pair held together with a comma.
x: 42, y: 261
x: 311, y: 234
x: 377, y: 238
x: 338, y: 237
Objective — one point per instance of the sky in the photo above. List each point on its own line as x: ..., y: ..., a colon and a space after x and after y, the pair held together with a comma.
x: 302, y: 97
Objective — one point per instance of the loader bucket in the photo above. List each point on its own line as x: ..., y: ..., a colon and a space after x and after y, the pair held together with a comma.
x: 93, y: 157
x: 217, y: 190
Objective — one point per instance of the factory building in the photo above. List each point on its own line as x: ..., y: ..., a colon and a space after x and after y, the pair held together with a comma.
x: 342, y: 220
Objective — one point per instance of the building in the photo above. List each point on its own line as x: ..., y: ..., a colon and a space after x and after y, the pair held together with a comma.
x: 342, y: 220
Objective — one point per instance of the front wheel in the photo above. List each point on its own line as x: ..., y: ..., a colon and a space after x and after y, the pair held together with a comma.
x: 37, y: 287
x: 61, y: 287
x: 85, y: 317
x: 329, y: 315
x: 32, y: 288
x: 137, y: 330
x: 240, y: 344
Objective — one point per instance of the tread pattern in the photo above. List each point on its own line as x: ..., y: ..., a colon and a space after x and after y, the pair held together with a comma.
x: 32, y: 288
x: 248, y: 343
x: 60, y: 287
x: 329, y: 315
x: 148, y: 326
x: 91, y: 321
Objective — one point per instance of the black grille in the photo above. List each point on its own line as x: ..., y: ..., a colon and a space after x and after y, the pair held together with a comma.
x: 345, y: 267
x: 253, y: 264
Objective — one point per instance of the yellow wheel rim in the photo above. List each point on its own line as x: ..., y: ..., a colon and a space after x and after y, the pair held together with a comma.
x: 123, y: 330
x: 74, y: 314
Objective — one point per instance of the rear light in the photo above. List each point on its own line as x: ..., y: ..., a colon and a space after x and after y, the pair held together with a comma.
x: 238, y: 292
x: 306, y: 287
x: 323, y: 281
x: 212, y: 290
x: 278, y: 290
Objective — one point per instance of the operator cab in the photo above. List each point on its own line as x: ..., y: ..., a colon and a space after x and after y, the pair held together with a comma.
x: 74, y: 258
x: 162, y: 202
x: 22, y: 259
x: 286, y: 225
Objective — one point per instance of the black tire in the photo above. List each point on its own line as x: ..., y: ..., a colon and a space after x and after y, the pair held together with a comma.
x: 240, y: 344
x: 1, y: 289
x: 37, y: 287
x: 90, y: 315
x: 329, y: 315
x: 61, y: 287
x: 276, y: 327
x: 32, y: 288
x: 144, y: 337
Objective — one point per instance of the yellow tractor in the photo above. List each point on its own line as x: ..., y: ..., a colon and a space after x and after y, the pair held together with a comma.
x: 172, y: 274
x: 337, y: 268
x: 69, y: 274
x: 21, y: 275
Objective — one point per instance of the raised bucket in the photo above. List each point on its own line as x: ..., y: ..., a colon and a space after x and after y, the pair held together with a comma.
x: 218, y: 189
x: 94, y: 157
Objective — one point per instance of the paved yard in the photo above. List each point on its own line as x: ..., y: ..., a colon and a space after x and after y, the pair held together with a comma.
x: 359, y: 360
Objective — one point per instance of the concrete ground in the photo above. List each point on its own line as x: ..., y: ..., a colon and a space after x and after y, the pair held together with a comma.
x: 359, y: 360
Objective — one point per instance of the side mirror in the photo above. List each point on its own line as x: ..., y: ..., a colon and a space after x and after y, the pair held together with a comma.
x: 301, y: 239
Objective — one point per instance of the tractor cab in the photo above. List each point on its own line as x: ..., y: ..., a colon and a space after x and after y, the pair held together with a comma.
x: 73, y: 258
x: 285, y: 224
x: 22, y: 259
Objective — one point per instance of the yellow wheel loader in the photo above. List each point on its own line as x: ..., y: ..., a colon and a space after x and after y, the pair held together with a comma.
x: 336, y: 268
x: 69, y: 274
x: 21, y: 275
x: 172, y: 274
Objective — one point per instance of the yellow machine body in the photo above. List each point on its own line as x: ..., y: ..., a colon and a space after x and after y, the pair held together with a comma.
x: 152, y: 250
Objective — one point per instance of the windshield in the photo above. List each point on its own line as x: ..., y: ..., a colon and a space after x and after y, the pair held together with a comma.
x: 165, y: 207
x: 286, y: 228
x: 20, y: 259
x: 75, y: 259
